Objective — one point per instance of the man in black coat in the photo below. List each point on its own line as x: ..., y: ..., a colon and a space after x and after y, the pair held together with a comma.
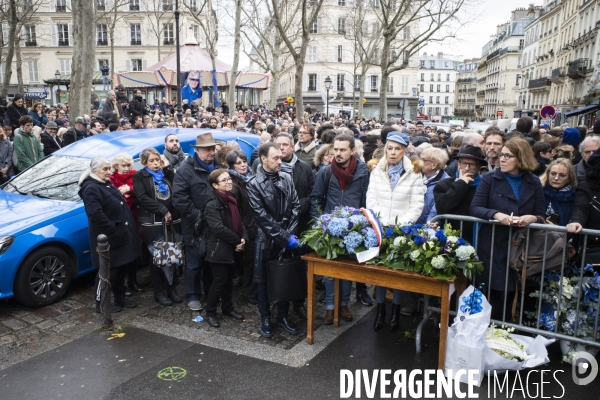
x: 276, y: 208
x: 137, y: 106
x: 48, y: 138
x: 112, y: 110
x: 109, y: 214
x: 191, y: 191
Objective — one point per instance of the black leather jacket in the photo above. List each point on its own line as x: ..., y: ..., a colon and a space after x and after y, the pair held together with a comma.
x: 276, y: 210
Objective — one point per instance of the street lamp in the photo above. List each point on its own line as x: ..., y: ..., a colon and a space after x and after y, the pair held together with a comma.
x: 179, y: 110
x: 328, y: 84
x: 57, y: 76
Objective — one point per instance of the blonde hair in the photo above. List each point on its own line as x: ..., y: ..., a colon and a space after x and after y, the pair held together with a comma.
x: 61, y: 132
x: 321, y: 153
x: 565, y: 163
x: 438, y: 156
x: 120, y: 158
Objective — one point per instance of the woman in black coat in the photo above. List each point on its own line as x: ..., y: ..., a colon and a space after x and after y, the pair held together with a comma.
x: 226, y: 243
x: 240, y: 174
x: 511, y: 195
x: 16, y: 110
x: 153, y: 190
x: 108, y: 214
x: 586, y: 208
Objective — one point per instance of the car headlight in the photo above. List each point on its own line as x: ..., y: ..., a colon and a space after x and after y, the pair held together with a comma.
x: 5, y: 242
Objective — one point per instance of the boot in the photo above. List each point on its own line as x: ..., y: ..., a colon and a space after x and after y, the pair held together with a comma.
x: 395, y: 319
x: 328, y: 318
x: 380, y: 317
x: 162, y: 299
x: 121, y: 300
x: 172, y: 293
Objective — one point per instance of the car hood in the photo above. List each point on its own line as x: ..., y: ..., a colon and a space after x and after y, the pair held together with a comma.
x: 22, y: 214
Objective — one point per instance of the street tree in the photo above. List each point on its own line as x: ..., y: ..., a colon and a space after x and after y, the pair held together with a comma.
x: 406, y: 27
x: 282, y: 11
x: 263, y: 43
x: 236, y: 57
x: 108, y: 14
x: 160, y: 22
x: 84, y: 50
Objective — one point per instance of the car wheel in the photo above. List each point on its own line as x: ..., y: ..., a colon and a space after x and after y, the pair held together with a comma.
x: 44, y: 277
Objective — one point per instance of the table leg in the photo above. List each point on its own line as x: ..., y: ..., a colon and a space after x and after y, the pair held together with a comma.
x: 336, y: 302
x: 310, y: 303
x: 445, y: 308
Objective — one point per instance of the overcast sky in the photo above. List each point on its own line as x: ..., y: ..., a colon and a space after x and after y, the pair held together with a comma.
x: 484, y: 16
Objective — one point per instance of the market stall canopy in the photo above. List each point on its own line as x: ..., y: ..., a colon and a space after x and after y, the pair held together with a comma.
x: 193, y: 58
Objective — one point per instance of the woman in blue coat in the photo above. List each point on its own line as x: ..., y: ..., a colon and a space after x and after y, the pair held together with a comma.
x: 511, y: 195
x: 39, y: 116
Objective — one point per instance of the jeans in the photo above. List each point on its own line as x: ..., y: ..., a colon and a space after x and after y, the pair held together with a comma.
x: 265, y: 308
x: 194, y: 267
x: 329, y: 292
x: 221, y: 288
x: 380, y: 295
x: 105, y: 82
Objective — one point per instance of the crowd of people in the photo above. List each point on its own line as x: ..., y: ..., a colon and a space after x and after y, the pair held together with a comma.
x: 257, y: 207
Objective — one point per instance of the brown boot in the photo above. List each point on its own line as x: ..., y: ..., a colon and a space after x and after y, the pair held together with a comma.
x: 328, y: 318
x: 345, y: 314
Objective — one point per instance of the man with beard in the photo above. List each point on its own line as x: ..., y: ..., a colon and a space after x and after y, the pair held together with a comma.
x: 173, y: 152
x: 343, y: 183
x: 122, y: 101
x: 494, y: 141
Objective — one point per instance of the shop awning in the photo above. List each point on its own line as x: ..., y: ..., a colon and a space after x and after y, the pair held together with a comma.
x: 583, y: 110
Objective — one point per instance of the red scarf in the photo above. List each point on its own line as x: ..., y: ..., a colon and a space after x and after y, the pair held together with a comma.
x: 236, y: 218
x: 344, y: 175
x: 119, y: 180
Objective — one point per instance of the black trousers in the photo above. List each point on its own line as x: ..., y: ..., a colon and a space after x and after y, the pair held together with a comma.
x: 116, y: 279
x: 221, y: 288
x: 249, y: 288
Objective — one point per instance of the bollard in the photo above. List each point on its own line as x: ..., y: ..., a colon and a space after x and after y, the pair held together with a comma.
x: 103, y: 290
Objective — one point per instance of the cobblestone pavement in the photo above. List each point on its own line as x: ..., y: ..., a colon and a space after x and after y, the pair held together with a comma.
x: 25, y: 332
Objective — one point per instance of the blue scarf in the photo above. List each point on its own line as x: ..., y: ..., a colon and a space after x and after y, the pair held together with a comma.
x: 515, y: 181
x: 395, y: 172
x: 244, y: 178
x: 208, y: 167
x: 476, y: 180
x: 158, y: 179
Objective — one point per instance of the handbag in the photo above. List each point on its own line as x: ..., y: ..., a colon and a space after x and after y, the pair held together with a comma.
x: 168, y: 255
x: 287, y: 279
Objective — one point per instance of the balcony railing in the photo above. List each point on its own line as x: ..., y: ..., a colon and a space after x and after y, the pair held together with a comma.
x: 102, y: 42
x: 578, y: 68
x: 63, y: 42
x: 464, y: 80
x: 557, y: 73
x: 538, y: 83
x: 61, y: 7
x: 168, y: 41
x: 481, y: 93
x: 30, y: 42
x: 136, y: 42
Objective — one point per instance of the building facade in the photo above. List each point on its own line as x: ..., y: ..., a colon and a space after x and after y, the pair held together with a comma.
x: 144, y: 33
x: 465, y: 94
x: 333, y: 52
x: 437, y: 80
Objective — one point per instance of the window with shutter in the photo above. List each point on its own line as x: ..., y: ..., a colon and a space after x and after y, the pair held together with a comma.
x: 404, y: 87
x: 136, y: 65
x: 136, y: 34
x: 168, y: 35
x: 340, y: 53
x: 134, y: 5
x: 390, y: 88
x: 314, y: 27
x: 373, y: 83
x: 29, y: 35
x: 357, y: 83
x: 61, y: 6
x: 63, y: 34
x: 127, y: 65
x: 312, y: 54
x: 304, y: 82
x: 312, y: 82
x: 340, y: 82
x: 32, y: 69
x: 64, y: 66
x: 341, y: 26
x: 101, y: 35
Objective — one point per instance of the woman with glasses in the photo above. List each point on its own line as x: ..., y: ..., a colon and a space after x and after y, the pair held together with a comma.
x: 559, y: 183
x: 434, y: 161
x: 225, y: 246
x: 323, y: 157
x: 241, y: 173
x: 39, y: 116
x: 513, y: 196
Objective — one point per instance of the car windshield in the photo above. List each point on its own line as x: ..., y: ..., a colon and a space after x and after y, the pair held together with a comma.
x: 54, y: 177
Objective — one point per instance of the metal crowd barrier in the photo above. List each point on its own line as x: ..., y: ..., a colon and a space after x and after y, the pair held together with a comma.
x: 432, y: 311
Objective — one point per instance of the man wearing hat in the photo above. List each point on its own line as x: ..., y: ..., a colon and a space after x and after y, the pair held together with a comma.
x: 48, y: 138
x: 191, y: 191
x: 572, y: 137
x: 453, y: 195
x: 125, y: 124
x: 76, y: 132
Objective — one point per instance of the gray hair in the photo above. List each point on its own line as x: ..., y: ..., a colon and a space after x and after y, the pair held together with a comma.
x: 588, y: 140
x: 111, y: 92
x: 95, y: 164
x: 471, y: 138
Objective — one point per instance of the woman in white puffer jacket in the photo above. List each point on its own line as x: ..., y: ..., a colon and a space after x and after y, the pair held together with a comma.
x: 396, y: 191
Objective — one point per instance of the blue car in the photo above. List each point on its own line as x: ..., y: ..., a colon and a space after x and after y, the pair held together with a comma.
x: 43, y: 226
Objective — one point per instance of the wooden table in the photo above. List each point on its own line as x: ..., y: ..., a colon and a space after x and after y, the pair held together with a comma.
x: 376, y: 275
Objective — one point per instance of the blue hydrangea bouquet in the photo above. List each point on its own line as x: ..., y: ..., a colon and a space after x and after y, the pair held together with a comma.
x: 437, y: 252
x: 346, y: 231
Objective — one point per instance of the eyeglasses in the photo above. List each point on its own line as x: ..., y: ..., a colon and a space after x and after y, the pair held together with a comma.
x: 561, y: 176
x: 506, y: 156
x: 466, y: 164
x: 225, y: 180
x: 425, y: 160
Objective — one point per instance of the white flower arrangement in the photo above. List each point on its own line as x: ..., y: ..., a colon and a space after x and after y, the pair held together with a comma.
x: 438, y: 262
x: 501, y: 341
